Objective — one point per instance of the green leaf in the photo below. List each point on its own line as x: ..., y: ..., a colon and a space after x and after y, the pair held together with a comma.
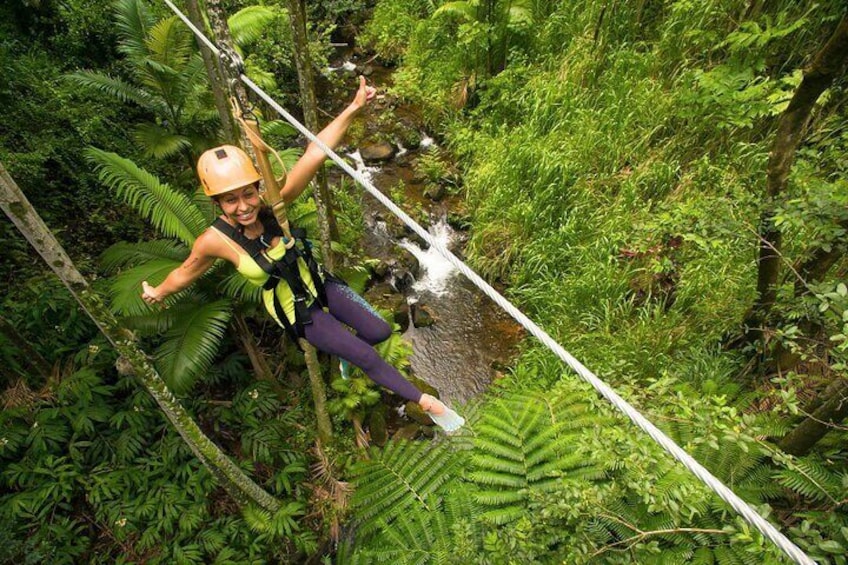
x: 170, y: 211
x: 250, y: 23
x: 191, y: 344
x: 158, y: 142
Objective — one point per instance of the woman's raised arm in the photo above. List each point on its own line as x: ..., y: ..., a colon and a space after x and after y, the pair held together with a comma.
x: 302, y: 172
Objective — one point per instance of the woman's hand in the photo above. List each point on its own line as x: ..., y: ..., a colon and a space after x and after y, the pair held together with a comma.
x: 364, y: 95
x: 149, y: 294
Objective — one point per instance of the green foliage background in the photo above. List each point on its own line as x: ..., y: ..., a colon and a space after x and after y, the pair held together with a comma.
x: 613, y: 155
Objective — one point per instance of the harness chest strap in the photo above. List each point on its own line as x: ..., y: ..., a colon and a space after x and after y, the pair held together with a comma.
x: 284, y: 269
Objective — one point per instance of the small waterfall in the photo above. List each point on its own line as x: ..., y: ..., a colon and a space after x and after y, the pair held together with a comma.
x: 366, y: 171
x: 436, y: 271
x: 346, y: 66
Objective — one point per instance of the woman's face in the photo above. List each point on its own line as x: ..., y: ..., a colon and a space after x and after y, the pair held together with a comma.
x: 241, y: 205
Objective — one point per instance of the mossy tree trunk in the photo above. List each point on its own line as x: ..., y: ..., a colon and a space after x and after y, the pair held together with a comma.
x: 824, y: 414
x: 221, y: 34
x: 303, y: 61
x: 18, y: 208
x: 825, y: 67
x: 215, y: 75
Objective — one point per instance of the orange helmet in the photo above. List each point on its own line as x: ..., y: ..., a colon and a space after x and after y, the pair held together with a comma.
x: 225, y: 168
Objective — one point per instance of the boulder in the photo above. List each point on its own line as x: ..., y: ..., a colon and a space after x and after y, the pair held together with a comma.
x: 434, y: 191
x: 400, y: 316
x: 377, y: 152
x: 422, y: 317
x: 377, y: 425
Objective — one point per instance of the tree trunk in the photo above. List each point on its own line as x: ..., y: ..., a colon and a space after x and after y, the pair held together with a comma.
x: 303, y: 61
x: 221, y: 33
x: 257, y: 359
x: 790, y: 131
x: 213, y: 71
x: 16, y: 206
x: 828, y: 410
x: 319, y: 392
x: 29, y: 356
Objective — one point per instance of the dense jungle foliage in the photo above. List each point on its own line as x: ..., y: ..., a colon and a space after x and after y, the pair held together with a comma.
x: 615, y: 162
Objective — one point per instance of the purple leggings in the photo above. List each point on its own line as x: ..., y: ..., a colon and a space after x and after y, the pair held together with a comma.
x: 328, y: 334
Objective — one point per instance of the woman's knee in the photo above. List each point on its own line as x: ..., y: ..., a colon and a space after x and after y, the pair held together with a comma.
x: 375, y: 332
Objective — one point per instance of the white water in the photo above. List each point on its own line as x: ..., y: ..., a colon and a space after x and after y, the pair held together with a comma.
x: 346, y: 66
x: 427, y: 141
x: 436, y: 272
x: 361, y: 167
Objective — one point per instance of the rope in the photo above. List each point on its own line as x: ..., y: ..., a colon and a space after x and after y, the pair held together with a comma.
x: 740, y: 506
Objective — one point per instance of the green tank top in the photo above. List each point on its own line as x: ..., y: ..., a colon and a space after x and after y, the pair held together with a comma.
x: 249, y: 269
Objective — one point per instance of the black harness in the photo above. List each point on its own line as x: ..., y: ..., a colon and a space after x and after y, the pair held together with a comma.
x: 284, y: 269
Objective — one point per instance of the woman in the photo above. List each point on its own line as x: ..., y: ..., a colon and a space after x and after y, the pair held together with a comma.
x: 295, y: 293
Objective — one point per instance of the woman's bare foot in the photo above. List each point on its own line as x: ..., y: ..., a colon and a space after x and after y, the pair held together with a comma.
x: 432, y: 405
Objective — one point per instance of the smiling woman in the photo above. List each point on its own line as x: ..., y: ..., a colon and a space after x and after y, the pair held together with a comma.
x: 307, y: 302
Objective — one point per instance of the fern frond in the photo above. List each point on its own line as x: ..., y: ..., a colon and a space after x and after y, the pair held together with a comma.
x: 280, y: 129
x: 191, y: 344
x: 124, y: 254
x: 811, y: 479
x: 400, y: 476
x: 248, y: 24
x: 158, y: 142
x: 171, y: 212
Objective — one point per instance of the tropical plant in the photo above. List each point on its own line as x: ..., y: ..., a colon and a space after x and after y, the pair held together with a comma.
x: 167, y: 80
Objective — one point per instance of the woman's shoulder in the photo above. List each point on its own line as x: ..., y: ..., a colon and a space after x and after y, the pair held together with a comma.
x: 211, y: 243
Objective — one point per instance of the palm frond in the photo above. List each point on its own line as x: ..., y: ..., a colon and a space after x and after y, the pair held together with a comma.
x: 169, y: 211
x: 263, y: 78
x: 280, y: 129
x: 466, y: 11
x: 114, y: 87
x: 192, y: 342
x: 158, y: 142
x: 125, y: 287
x: 134, y: 20
x: 169, y: 43
x: 248, y: 24
x: 240, y: 289
x: 124, y: 254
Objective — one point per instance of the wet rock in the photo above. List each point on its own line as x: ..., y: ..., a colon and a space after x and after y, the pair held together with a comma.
x: 380, y: 270
x: 384, y: 297
x: 409, y: 137
x: 400, y: 316
x: 403, y: 281
x: 377, y: 425
x: 459, y: 222
x: 377, y: 152
x: 422, y: 317
x: 435, y: 192
x: 367, y: 70
x: 413, y: 409
x: 409, y: 431
x: 409, y: 262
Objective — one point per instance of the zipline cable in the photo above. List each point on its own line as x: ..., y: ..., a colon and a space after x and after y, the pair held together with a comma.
x: 740, y: 506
